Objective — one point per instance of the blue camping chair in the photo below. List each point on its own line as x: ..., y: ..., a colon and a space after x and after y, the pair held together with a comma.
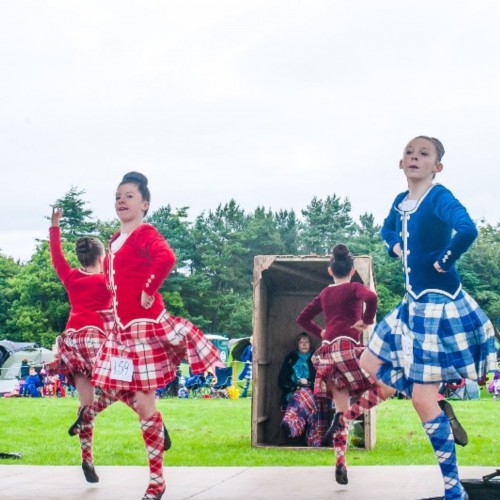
x: 223, y: 379
x: 199, y: 386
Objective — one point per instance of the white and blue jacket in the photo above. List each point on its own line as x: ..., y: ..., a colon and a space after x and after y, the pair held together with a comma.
x: 438, y: 229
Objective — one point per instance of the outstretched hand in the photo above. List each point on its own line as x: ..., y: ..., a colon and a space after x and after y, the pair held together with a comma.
x: 57, y: 213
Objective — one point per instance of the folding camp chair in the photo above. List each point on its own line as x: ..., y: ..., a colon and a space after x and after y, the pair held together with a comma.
x: 455, y: 390
x: 198, y: 385
x: 223, y: 379
x: 465, y: 389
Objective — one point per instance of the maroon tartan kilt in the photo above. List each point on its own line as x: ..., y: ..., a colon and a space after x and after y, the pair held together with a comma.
x: 156, y: 350
x: 77, y: 352
x: 338, y: 362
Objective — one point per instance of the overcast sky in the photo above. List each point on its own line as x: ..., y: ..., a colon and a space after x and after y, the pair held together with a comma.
x: 267, y: 102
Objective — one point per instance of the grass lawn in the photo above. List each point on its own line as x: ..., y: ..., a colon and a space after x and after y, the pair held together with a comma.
x: 216, y: 432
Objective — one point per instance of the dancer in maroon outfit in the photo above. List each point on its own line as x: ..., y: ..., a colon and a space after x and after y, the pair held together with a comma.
x: 337, y: 359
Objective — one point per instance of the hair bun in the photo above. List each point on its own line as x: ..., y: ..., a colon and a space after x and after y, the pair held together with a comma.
x: 340, y: 252
x: 82, y: 245
x: 135, y: 177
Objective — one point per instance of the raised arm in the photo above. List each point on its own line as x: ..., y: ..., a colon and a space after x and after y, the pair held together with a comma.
x: 59, y: 262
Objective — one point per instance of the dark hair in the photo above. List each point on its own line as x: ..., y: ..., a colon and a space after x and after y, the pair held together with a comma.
x: 141, y: 181
x: 438, y: 145
x: 300, y: 336
x: 341, y: 262
x: 88, y: 250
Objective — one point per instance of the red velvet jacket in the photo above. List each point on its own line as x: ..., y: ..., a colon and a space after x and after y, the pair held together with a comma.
x: 142, y: 263
x: 87, y: 293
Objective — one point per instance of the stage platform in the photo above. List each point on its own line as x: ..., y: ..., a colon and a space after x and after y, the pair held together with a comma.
x: 22, y: 482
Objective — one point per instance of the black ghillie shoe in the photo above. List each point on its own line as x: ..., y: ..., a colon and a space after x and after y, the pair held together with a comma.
x: 341, y: 474
x: 285, y: 428
x: 459, y: 433
x: 167, y: 443
x: 73, y: 430
x: 336, y: 425
x: 89, y: 471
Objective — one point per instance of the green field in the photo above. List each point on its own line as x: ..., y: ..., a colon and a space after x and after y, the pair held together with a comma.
x: 216, y: 432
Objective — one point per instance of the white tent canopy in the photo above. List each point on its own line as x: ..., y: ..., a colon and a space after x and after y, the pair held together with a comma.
x: 11, y: 357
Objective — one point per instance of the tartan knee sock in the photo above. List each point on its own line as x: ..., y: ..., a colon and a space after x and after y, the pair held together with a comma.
x: 85, y: 434
x: 103, y: 401
x: 86, y: 428
x: 441, y: 437
x: 128, y: 398
x: 152, y: 433
x: 340, y: 446
x: 108, y: 397
x: 368, y: 399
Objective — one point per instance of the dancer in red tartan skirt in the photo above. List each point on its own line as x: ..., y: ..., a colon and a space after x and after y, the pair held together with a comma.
x: 89, y: 323
x: 146, y: 345
x: 337, y: 359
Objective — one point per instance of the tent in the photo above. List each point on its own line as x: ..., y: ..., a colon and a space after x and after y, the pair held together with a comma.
x: 221, y: 342
x: 11, y: 356
x: 238, y: 347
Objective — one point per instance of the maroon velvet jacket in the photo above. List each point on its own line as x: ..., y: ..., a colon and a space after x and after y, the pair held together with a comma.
x: 342, y: 306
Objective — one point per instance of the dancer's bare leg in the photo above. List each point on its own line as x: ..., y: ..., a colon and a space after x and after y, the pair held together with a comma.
x: 371, y: 363
x: 84, y: 388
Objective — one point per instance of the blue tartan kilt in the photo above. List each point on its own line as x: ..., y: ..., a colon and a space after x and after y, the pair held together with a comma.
x: 434, y: 339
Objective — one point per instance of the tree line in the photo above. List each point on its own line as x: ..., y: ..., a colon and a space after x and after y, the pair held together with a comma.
x: 212, y: 281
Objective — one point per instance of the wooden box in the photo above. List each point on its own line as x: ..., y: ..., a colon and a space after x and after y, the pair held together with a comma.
x: 283, y: 286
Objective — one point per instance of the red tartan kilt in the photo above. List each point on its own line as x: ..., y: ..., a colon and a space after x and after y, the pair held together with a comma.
x: 200, y: 353
x: 156, y: 350
x: 338, y: 362
x: 77, y: 352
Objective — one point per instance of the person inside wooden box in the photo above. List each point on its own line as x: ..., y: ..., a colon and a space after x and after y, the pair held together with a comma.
x: 303, y: 413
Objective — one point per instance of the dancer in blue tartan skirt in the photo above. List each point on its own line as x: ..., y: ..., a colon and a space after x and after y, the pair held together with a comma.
x: 437, y: 333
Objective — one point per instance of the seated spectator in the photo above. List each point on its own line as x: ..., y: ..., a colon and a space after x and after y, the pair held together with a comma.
x: 65, y: 388
x: 30, y: 386
x: 52, y: 386
x: 60, y: 388
x: 304, y: 414
x: 25, y: 369
x: 494, y: 385
x: 173, y: 387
